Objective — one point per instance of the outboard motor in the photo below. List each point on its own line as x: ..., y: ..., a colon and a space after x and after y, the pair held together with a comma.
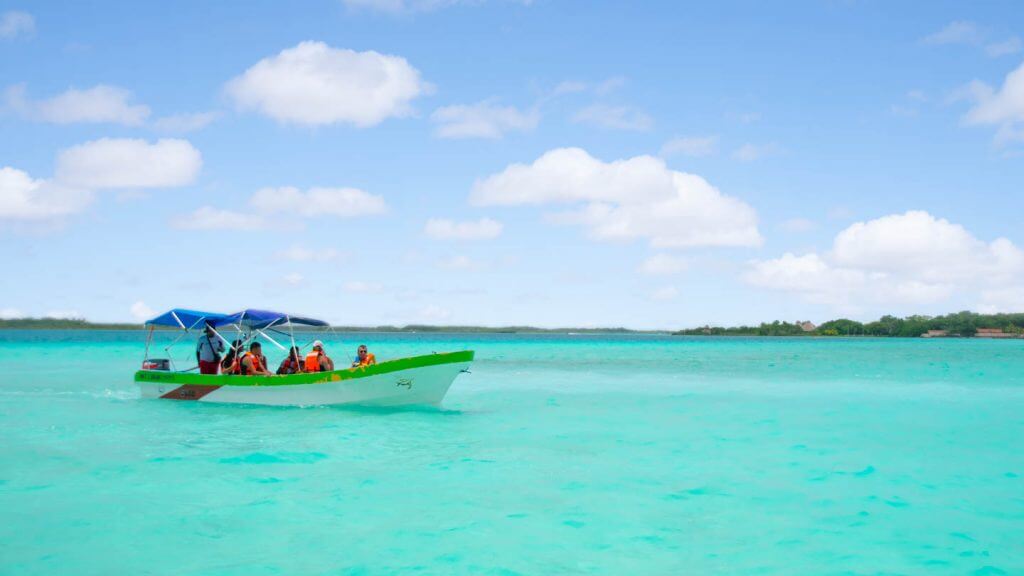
x: 156, y: 364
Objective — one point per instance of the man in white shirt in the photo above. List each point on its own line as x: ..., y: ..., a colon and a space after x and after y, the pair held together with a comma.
x: 208, y: 351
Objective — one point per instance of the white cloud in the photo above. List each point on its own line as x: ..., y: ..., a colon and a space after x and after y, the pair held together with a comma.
x: 458, y: 262
x: 266, y: 202
x: 99, y: 104
x: 911, y: 258
x: 63, y: 314
x: 482, y: 120
x: 434, y: 313
x: 187, y: 122
x: 316, y: 202
x: 482, y: 229
x: 313, y: 83
x: 141, y: 312
x: 129, y: 163
x: 570, y: 87
x: 210, y: 218
x: 634, y: 198
x: 14, y: 23
x: 10, y: 313
x: 25, y: 198
x: 798, y: 225
x: 663, y: 265
x: 359, y: 287
x: 610, y: 85
x: 1011, y: 45
x: 614, y: 117
x: 1003, y: 107
x: 406, y: 6
x: 297, y: 253
x: 957, y: 32
x: 696, y: 146
x: 750, y: 152
x: 293, y: 279
x: 664, y: 293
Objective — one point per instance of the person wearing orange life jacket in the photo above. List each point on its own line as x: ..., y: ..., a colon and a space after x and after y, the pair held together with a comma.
x: 317, y: 360
x: 363, y: 358
x: 253, y: 362
x: 229, y: 365
x: 291, y: 364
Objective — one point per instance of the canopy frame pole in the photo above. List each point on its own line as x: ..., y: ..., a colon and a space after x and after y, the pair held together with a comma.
x: 178, y: 320
x: 149, y: 339
x: 274, y: 342
x: 291, y: 333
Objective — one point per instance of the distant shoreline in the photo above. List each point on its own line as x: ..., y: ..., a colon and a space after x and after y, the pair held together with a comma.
x: 956, y: 325
x: 73, y: 324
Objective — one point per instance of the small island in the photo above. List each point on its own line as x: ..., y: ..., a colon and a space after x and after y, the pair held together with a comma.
x: 960, y: 324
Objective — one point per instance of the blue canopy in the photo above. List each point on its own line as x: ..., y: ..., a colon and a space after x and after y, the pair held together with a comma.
x: 187, y: 319
x: 263, y: 318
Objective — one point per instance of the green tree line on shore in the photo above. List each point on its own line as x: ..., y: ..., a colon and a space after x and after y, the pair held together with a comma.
x: 964, y: 324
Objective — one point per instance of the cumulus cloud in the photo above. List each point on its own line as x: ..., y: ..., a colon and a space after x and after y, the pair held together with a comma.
x: 25, y: 198
x: 297, y: 253
x: 663, y: 265
x: 129, y: 163
x: 406, y: 6
x: 625, y: 199
x: 1011, y: 45
x: 798, y: 225
x: 210, y: 218
x: 359, y: 287
x: 14, y: 23
x: 750, y: 152
x: 956, y: 32
x: 912, y: 258
x: 141, y: 312
x: 434, y: 313
x: 185, y: 122
x: 482, y: 229
x: 614, y: 117
x: 10, y: 313
x: 482, y: 120
x: 293, y: 279
x: 664, y: 293
x: 314, y: 84
x: 264, y: 203
x: 317, y: 202
x: 99, y: 104
x: 695, y: 146
x: 1003, y: 107
x: 457, y: 262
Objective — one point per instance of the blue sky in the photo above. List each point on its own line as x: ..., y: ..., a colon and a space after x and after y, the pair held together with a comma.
x: 497, y: 162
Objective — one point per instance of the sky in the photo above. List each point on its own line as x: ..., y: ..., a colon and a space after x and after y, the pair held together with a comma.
x: 502, y: 162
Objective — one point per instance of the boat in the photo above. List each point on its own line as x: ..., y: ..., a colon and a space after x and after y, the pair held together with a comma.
x: 416, y: 380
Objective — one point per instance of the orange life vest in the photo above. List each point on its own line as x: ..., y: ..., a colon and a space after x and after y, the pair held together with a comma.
x: 313, y: 361
x: 369, y: 360
x: 257, y: 363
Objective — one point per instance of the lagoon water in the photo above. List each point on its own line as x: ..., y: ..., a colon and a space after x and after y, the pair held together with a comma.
x: 557, y: 455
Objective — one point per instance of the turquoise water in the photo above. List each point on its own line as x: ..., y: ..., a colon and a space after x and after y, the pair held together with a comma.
x: 557, y: 455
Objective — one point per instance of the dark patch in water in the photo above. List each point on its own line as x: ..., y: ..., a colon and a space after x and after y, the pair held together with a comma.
x: 865, y: 472
x: 574, y: 523
x: 277, y: 458
x: 897, y: 503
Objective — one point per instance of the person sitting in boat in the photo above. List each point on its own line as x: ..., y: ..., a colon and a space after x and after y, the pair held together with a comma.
x: 363, y: 358
x: 317, y: 360
x: 209, y: 350
x: 253, y: 362
x: 229, y: 365
x: 291, y: 364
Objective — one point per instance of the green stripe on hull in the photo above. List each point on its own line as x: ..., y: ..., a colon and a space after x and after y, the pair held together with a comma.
x: 161, y: 377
